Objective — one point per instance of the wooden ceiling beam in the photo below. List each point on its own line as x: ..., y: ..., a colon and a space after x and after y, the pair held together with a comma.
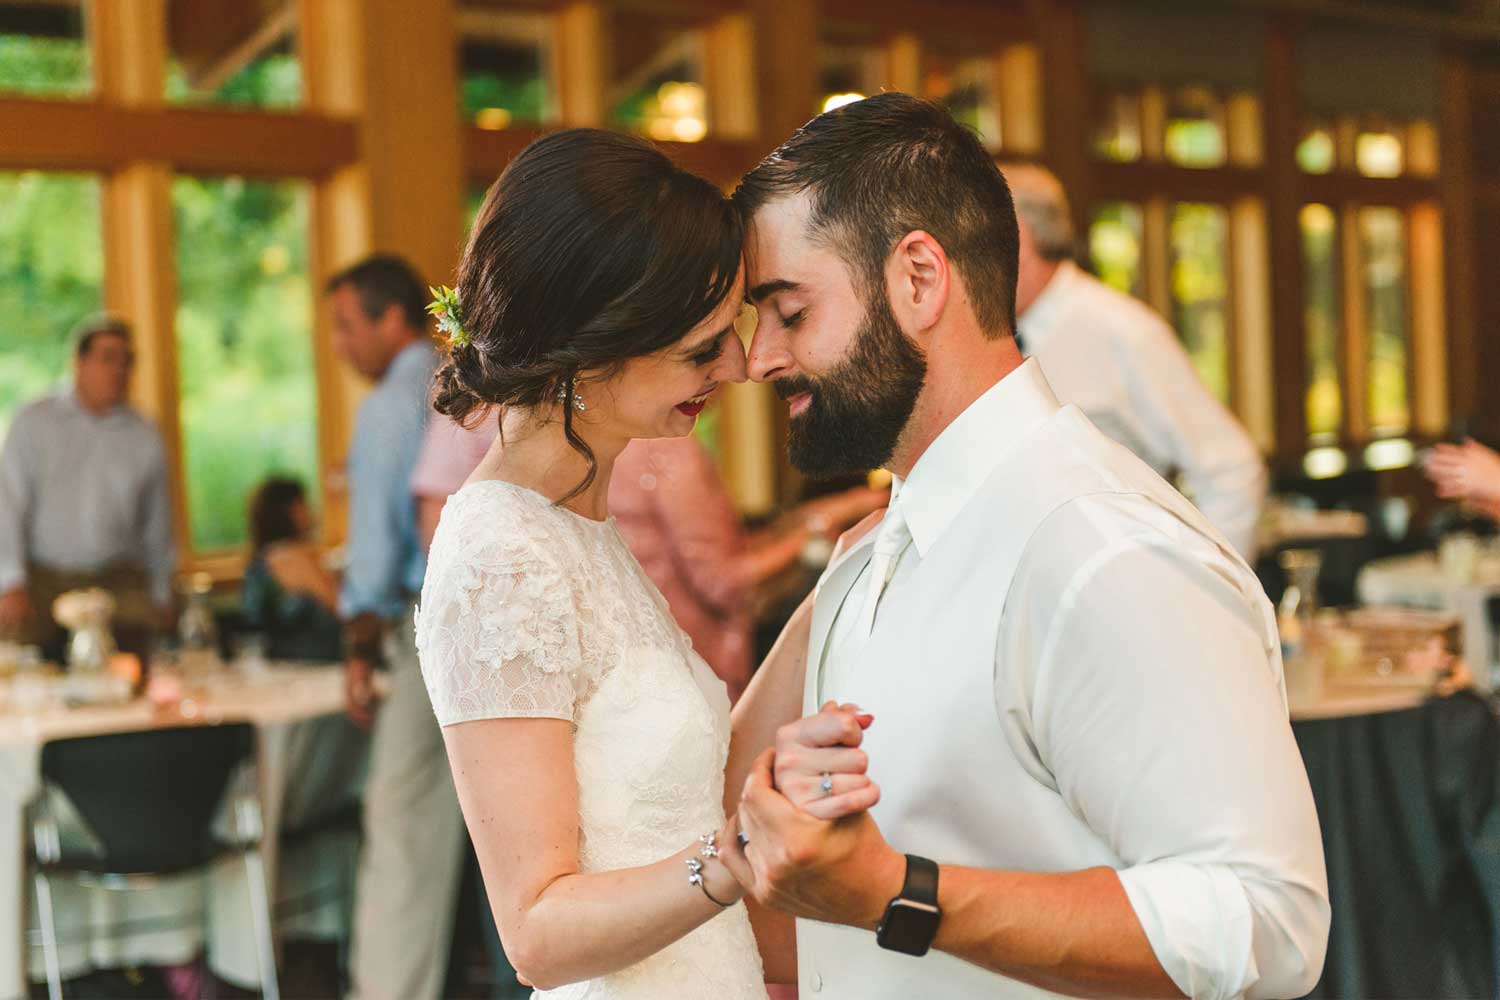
x: 66, y: 135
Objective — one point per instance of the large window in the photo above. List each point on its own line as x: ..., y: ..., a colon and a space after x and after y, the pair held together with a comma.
x: 245, y: 55
x: 51, y: 276
x: 1322, y: 323
x: 1200, y: 290
x: 1116, y: 233
x: 659, y: 87
x: 1382, y: 244
x: 44, y: 48
x: 503, y: 67
x: 966, y: 83
x: 244, y: 321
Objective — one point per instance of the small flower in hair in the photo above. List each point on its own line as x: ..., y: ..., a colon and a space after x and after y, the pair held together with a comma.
x: 445, y: 305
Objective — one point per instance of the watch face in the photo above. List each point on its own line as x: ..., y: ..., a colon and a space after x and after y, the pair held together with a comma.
x: 909, y: 927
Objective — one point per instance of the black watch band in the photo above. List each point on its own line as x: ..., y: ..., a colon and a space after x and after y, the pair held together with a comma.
x: 921, y: 880
x: 911, y: 919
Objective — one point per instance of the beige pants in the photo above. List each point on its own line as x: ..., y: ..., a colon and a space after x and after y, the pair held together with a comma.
x: 413, y: 844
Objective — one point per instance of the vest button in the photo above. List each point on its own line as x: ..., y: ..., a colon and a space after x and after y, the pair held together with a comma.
x: 816, y: 982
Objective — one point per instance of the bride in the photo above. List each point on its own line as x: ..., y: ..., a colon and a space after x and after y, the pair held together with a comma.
x: 596, y: 304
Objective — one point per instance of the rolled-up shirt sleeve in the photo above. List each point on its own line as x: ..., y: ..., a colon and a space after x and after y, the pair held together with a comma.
x: 1159, y: 713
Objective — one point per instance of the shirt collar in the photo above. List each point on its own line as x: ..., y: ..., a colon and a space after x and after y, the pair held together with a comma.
x: 70, y: 396
x: 1038, y: 321
x: 960, y: 461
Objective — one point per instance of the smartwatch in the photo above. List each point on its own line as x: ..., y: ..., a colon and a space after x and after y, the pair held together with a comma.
x: 911, y: 919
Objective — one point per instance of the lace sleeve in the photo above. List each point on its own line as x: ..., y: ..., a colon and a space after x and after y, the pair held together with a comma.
x: 497, y: 631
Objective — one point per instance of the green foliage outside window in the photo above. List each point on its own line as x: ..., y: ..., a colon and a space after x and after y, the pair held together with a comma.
x: 51, y: 276
x: 1200, y: 289
x: 244, y: 342
x: 272, y: 81
x: 47, y: 65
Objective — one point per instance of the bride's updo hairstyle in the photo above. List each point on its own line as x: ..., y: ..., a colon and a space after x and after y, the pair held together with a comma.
x: 592, y: 248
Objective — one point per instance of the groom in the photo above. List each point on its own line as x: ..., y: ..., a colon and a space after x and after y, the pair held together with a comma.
x: 1089, y: 784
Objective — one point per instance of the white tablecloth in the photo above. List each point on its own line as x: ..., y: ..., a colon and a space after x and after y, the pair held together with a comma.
x: 1417, y: 581
x: 309, y: 756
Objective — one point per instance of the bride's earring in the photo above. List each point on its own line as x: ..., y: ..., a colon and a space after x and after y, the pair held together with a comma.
x: 562, y: 396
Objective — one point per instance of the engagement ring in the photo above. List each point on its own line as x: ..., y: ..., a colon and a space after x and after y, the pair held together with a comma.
x: 827, y: 784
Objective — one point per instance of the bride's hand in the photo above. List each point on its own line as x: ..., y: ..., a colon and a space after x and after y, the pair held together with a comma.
x: 819, y: 766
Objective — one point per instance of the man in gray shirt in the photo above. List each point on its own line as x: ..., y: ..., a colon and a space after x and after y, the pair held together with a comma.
x: 84, y: 499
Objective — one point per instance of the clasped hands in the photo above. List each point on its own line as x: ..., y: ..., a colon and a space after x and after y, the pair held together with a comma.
x: 810, y: 848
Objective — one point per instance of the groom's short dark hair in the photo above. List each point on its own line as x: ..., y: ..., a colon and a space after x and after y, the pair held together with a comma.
x: 880, y: 168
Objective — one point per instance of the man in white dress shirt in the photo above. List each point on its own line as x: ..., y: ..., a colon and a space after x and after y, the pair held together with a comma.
x: 1080, y: 731
x: 1124, y: 367
x: 84, y: 498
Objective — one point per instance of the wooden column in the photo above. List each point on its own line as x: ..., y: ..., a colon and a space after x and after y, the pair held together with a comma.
x: 1430, y: 346
x: 1021, y: 117
x: 373, y: 61
x: 1466, y: 385
x: 903, y: 63
x: 1283, y: 203
x: 140, y: 252
x: 334, y: 71
x: 786, y: 49
x: 1061, y: 33
x: 582, y: 60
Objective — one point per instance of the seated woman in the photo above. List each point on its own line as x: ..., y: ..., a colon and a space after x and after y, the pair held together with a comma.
x: 288, y: 595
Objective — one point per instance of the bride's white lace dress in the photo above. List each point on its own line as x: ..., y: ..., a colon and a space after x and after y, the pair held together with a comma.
x: 532, y: 611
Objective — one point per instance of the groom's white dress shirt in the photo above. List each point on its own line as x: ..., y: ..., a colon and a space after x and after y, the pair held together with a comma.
x: 1069, y: 668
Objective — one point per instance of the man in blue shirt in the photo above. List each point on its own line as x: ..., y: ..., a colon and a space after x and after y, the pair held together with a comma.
x: 411, y: 862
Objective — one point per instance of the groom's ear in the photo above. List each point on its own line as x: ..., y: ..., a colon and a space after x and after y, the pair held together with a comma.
x: 917, y: 276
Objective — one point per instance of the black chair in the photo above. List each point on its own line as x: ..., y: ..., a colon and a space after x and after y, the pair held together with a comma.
x: 150, y: 798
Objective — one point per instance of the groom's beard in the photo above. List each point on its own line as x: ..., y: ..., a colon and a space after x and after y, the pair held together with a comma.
x: 858, y: 410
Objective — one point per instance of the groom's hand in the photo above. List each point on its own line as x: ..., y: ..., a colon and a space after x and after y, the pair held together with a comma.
x: 819, y: 766
x: 837, y: 872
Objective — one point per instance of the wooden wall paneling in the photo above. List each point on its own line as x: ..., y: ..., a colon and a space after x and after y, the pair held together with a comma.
x: 1254, y: 349
x: 730, y: 67
x: 583, y: 63
x: 903, y: 63
x: 1429, y: 331
x: 1467, y: 382
x: 1020, y: 73
x: 961, y: 19
x: 1284, y: 198
x: 1059, y: 29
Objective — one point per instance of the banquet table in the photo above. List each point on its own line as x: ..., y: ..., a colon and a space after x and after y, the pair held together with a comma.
x: 309, y: 759
x: 1417, y: 580
x: 1407, y: 788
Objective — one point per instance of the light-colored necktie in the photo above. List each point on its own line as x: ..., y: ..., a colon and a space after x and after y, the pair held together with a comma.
x: 891, y: 539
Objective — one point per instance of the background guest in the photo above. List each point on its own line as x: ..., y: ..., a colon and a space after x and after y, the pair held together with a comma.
x: 1125, y: 368
x: 84, y: 500
x: 674, y: 512
x: 410, y: 864
x: 287, y: 594
x: 1468, y: 473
